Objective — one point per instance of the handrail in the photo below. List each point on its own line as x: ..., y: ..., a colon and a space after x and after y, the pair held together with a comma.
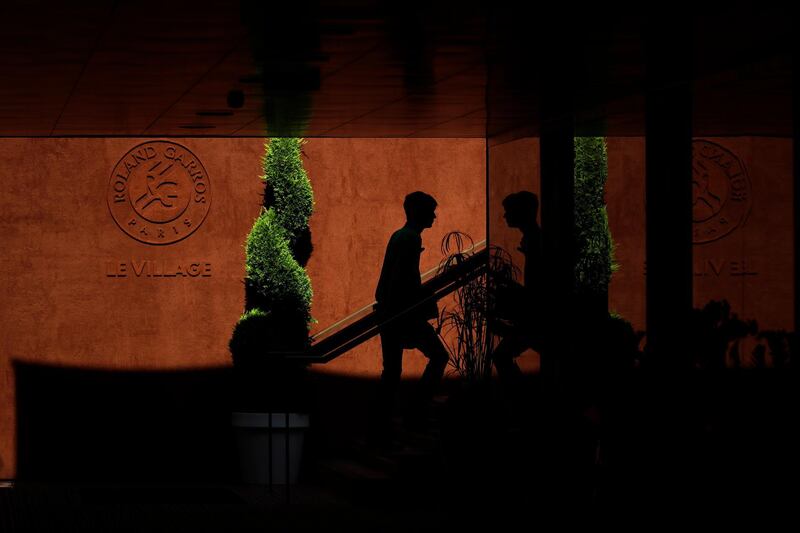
x: 333, y: 326
x: 331, y: 346
x: 426, y: 276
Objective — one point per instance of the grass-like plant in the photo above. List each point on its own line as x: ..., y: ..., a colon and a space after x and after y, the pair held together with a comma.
x: 464, y: 325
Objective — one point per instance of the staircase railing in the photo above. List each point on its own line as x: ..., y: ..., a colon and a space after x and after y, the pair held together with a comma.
x: 365, y: 323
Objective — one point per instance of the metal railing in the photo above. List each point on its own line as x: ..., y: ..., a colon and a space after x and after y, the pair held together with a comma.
x: 365, y: 323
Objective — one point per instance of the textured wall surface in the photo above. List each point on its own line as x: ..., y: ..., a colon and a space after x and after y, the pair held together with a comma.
x: 68, y: 302
x: 625, y: 206
x: 65, y: 303
x: 359, y: 187
x: 513, y: 167
x: 743, y: 240
x: 743, y: 249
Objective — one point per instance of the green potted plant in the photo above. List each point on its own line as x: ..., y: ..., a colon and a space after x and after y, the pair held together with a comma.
x: 272, y: 334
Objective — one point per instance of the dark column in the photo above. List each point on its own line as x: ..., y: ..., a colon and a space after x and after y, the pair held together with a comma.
x: 556, y: 60
x: 668, y: 399
x: 557, y: 205
x: 796, y: 171
x: 668, y: 130
x: 557, y: 152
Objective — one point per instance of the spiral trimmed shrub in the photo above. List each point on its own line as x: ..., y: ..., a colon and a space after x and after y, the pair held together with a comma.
x: 277, y: 288
x: 272, y: 270
x: 288, y: 187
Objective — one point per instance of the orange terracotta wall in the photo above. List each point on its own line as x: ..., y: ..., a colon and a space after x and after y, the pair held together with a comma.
x: 359, y: 186
x: 66, y: 304
x: 513, y: 167
x: 62, y: 308
x: 751, y: 265
x: 626, y: 219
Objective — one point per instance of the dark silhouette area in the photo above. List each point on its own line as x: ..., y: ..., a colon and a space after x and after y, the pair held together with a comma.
x: 717, y: 334
x: 517, y: 307
x: 720, y: 340
x: 78, y: 424
x: 615, y: 425
x: 699, y: 434
x: 558, y: 418
x: 405, y: 319
x: 410, y: 31
x: 267, y: 381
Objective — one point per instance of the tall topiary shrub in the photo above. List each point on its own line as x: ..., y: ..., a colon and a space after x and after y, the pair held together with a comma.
x: 595, y: 249
x: 607, y: 346
x: 277, y: 288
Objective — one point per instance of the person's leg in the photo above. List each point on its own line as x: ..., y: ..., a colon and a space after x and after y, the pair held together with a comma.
x: 428, y: 342
x: 510, y: 375
x: 392, y: 350
x: 503, y: 357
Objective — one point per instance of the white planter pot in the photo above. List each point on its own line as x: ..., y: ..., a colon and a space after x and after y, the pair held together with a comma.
x: 261, y: 437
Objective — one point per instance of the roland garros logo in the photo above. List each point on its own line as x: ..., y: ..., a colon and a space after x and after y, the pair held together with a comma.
x: 159, y: 192
x: 721, y: 194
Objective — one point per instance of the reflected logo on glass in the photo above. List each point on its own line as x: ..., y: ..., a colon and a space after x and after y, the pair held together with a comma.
x: 721, y: 194
x: 159, y: 192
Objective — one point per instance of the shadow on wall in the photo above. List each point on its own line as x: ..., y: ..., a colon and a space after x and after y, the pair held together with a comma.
x: 92, y: 425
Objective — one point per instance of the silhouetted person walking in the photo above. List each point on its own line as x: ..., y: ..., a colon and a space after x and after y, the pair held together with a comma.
x: 400, y: 289
x: 520, y: 306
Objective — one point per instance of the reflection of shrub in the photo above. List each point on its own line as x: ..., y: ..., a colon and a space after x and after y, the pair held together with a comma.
x: 717, y: 338
x: 782, y: 348
x: 594, y: 263
x: 716, y: 335
x: 620, y: 343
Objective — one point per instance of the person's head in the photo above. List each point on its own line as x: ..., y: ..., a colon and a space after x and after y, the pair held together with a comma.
x: 521, y: 209
x: 419, y: 208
